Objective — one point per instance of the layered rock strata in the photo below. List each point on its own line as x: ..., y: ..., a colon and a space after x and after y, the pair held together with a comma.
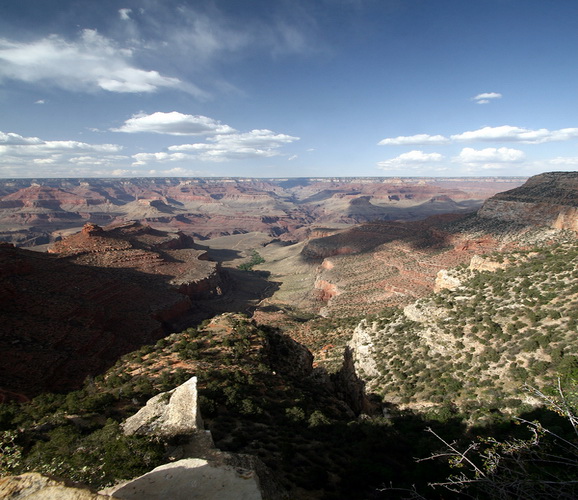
x: 549, y: 199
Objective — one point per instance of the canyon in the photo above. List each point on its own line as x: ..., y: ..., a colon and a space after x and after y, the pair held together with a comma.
x: 342, y: 354
x: 40, y: 211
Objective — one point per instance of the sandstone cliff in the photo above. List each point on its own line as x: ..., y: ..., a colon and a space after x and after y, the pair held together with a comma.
x: 549, y: 199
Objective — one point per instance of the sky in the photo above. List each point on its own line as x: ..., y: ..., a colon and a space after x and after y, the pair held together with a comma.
x: 288, y: 88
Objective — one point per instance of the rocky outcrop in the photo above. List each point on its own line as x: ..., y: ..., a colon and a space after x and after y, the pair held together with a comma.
x: 444, y: 280
x: 421, y: 313
x: 34, y: 486
x: 201, y: 471
x: 362, y: 350
x: 168, y: 414
x: 350, y: 387
x: 549, y: 199
x: 479, y: 263
x: 325, y: 290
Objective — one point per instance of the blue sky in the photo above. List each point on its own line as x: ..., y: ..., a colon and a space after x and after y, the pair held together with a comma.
x: 282, y: 88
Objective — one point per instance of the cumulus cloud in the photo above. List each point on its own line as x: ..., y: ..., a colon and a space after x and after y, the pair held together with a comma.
x: 89, y: 63
x: 490, y: 157
x: 507, y: 133
x: 410, y: 159
x: 174, y: 123
x: 486, y: 97
x: 12, y: 139
x: 255, y: 144
x: 413, y: 140
x: 222, y: 147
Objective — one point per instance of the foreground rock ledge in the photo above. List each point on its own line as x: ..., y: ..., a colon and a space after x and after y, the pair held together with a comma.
x: 191, y: 478
x: 34, y: 486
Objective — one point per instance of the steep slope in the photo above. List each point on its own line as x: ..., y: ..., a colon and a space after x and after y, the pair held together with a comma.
x: 549, y: 199
x: 65, y: 316
x: 503, y: 321
x: 359, y: 270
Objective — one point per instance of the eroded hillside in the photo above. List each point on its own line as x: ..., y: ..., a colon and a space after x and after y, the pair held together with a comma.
x: 476, y: 344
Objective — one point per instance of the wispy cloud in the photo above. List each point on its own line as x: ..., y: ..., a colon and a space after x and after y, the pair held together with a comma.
x: 21, y: 152
x: 507, y: 133
x: 486, y: 97
x: 173, y: 123
x: 490, y: 155
x: 222, y: 147
x: 124, y: 14
x: 89, y: 63
x: 410, y: 159
x: 255, y: 144
x: 503, y: 133
x: 414, y: 140
x: 561, y: 161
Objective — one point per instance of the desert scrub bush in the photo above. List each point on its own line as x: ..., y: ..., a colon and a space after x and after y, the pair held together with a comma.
x: 255, y: 260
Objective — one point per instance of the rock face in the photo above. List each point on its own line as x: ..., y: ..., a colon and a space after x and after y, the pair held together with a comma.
x: 168, y: 414
x: 192, y: 478
x: 34, y: 486
x: 549, y: 199
x: 362, y: 350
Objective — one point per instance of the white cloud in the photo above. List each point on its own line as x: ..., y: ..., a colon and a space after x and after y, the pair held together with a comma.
x: 174, y: 123
x: 255, y: 144
x: 12, y: 139
x: 18, y: 152
x: 89, y: 63
x: 507, y: 133
x: 40, y: 101
x: 413, y: 140
x: 162, y: 157
x: 409, y: 160
x: 124, y: 14
x: 490, y: 157
x: 567, y: 161
x: 486, y: 97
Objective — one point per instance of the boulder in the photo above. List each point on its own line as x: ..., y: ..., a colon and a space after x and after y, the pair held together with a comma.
x: 168, y: 414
